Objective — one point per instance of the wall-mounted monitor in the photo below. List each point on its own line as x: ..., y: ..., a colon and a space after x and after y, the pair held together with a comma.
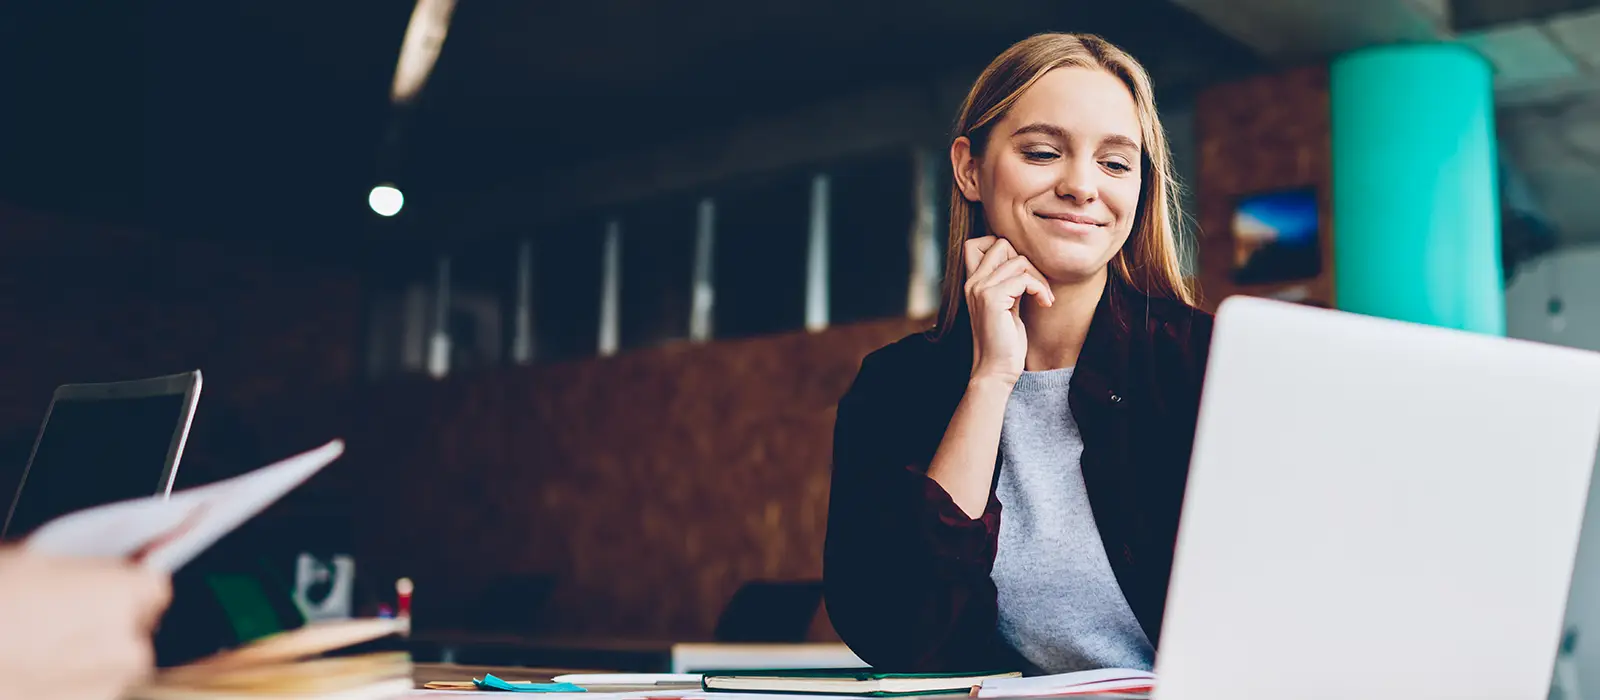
x: 1277, y: 237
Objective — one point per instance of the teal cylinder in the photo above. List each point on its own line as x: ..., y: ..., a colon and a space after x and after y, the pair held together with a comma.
x: 1416, y: 213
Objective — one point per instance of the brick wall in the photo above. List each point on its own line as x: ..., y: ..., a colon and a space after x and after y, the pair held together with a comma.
x: 1270, y: 132
x: 81, y: 302
x: 650, y: 485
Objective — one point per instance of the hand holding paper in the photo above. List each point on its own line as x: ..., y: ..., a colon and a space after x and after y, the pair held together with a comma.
x: 165, y: 534
x: 86, y: 620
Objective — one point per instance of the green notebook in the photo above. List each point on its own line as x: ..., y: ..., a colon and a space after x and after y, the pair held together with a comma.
x: 845, y: 681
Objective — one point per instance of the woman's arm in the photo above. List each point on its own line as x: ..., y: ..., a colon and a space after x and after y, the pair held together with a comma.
x: 906, y: 569
x: 911, y: 546
x: 964, y: 464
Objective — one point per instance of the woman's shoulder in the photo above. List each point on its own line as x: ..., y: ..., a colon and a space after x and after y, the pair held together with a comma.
x: 1172, y: 321
x: 1178, y: 336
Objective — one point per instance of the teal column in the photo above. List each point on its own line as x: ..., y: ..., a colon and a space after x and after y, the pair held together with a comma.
x: 1416, y: 212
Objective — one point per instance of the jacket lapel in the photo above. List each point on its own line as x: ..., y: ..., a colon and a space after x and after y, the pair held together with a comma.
x: 1104, y: 398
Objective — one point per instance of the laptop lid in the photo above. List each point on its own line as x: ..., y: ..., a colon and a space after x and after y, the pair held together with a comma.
x: 1377, y: 509
x: 102, y: 443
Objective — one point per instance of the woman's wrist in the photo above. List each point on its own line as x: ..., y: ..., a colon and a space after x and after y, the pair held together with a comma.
x: 990, y: 383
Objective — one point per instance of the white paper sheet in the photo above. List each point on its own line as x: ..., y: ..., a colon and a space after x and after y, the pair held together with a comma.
x: 165, y: 534
x: 587, y: 679
x: 1097, y: 680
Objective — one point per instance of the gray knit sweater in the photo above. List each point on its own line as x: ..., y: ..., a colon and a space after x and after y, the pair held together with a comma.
x: 1060, y: 605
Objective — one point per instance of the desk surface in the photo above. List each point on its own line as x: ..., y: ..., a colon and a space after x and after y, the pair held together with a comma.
x: 424, y: 673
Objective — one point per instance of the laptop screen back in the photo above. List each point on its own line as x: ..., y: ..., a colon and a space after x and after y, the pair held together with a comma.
x: 94, y: 451
x: 1376, y: 509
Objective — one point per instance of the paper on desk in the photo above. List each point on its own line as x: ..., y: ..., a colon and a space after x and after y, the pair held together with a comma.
x: 650, y: 695
x: 723, y: 695
x: 165, y: 534
x: 633, y: 695
x: 432, y: 693
x: 490, y: 682
x: 1078, y: 682
x: 587, y: 679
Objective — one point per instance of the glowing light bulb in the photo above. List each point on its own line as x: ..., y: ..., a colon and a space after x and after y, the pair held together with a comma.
x: 386, y: 200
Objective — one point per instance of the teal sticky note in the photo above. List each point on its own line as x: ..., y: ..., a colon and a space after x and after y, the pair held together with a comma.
x: 489, y: 682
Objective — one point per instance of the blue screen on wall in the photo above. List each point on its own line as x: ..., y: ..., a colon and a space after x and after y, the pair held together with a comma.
x: 1276, y: 237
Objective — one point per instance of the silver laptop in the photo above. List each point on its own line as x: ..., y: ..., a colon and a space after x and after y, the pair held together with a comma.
x: 1377, y: 510
x: 102, y: 443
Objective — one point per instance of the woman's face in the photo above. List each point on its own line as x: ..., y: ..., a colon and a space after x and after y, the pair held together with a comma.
x: 1060, y: 176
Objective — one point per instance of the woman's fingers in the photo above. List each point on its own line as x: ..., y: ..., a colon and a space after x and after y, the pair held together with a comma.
x: 1022, y: 266
x: 972, y: 251
x: 1012, y: 288
x: 997, y: 254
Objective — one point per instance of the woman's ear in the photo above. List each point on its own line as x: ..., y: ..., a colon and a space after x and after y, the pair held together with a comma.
x: 965, y: 167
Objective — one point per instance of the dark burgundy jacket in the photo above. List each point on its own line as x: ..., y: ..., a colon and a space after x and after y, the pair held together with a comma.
x: 906, y: 571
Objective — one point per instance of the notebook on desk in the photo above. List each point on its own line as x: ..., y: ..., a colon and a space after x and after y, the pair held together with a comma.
x: 321, y: 660
x: 700, y: 657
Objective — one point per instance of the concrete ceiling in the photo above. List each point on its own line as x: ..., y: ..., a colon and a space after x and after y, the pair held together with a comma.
x: 266, y: 121
x: 500, y: 109
x: 1298, y: 30
x: 1547, y: 59
x: 1548, y: 89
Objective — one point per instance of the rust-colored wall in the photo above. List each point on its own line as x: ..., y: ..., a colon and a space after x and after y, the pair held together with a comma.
x: 1269, y: 132
x: 81, y: 302
x: 651, y: 484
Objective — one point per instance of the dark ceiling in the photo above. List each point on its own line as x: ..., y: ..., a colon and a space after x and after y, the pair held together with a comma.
x: 267, y: 121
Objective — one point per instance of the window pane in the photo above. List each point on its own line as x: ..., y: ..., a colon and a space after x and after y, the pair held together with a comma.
x: 566, y: 290
x: 399, y: 312
x: 482, y: 297
x: 657, y: 267
x: 872, y: 208
x: 760, y: 266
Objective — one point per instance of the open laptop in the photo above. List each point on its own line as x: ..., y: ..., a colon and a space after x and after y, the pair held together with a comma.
x: 1377, y: 509
x: 102, y: 443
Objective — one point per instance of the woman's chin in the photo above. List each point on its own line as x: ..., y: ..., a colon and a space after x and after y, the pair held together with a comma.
x: 1071, y: 269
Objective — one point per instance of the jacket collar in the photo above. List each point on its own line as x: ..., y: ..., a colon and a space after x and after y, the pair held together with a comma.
x: 1103, y: 363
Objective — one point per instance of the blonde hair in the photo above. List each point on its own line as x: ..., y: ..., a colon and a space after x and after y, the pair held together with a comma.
x: 1149, y: 261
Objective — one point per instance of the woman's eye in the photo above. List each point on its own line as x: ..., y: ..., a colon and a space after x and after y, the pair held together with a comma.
x: 1039, y: 155
x: 1117, y: 167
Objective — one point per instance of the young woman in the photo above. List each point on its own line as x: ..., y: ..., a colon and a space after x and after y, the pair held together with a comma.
x: 1061, y: 385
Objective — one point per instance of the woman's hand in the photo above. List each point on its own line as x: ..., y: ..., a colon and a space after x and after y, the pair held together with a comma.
x: 997, y: 279
x: 75, y: 629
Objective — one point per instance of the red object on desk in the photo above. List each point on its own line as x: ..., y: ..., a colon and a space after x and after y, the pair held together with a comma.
x: 403, y: 590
